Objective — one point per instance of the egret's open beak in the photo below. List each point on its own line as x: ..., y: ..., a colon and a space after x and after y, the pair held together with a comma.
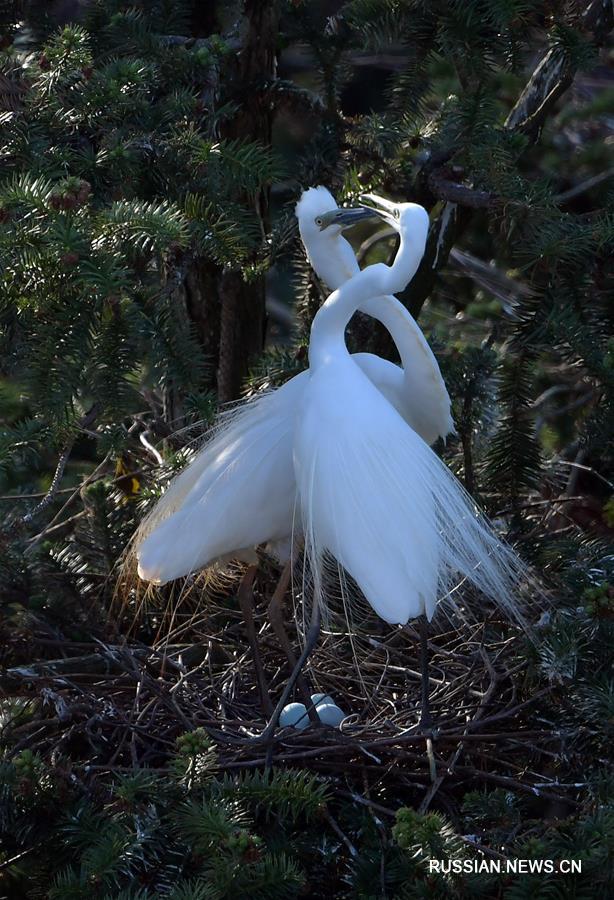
x: 386, y: 207
x: 346, y: 217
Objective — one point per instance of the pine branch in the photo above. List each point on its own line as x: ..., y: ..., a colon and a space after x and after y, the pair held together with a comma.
x: 550, y: 79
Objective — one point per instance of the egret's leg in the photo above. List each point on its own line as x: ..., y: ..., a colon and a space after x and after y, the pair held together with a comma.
x: 276, y: 618
x: 310, y: 642
x: 245, y: 596
x: 426, y: 721
x: 425, y: 716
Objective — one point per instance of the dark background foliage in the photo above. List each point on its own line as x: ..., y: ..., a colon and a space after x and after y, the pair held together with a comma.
x: 150, y: 270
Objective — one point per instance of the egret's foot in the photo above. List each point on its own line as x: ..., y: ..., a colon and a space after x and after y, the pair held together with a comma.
x: 268, y: 734
x: 268, y: 755
x: 267, y: 739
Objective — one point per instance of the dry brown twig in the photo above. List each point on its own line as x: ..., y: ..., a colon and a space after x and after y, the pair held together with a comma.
x: 125, y: 705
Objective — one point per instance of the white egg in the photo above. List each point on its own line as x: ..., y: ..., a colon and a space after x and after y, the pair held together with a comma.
x: 294, y: 714
x: 330, y: 714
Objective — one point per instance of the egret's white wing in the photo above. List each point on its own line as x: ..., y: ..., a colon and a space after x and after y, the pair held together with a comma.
x: 239, y: 490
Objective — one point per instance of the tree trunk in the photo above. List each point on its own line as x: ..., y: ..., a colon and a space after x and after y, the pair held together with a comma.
x: 228, y: 312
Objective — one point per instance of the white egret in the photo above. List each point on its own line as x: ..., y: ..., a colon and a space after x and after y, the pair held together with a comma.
x: 239, y: 490
x: 372, y: 493
x: 373, y: 496
x: 417, y: 389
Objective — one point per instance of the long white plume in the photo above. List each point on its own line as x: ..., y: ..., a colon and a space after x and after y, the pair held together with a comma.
x: 378, y: 502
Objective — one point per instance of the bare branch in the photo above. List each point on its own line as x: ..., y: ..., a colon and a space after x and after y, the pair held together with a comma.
x: 445, y: 189
x: 584, y: 186
x: 40, y: 507
x: 553, y: 75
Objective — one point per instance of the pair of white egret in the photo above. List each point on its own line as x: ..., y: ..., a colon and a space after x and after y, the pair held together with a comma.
x: 340, y: 454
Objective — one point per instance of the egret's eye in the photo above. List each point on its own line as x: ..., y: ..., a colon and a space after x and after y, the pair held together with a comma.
x: 318, y: 220
x: 396, y: 212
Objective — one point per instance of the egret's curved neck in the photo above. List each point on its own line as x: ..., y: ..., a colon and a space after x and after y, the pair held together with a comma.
x: 400, y: 325
x: 328, y: 328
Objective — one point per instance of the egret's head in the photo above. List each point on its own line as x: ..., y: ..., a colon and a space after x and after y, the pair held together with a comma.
x: 319, y: 216
x: 411, y: 219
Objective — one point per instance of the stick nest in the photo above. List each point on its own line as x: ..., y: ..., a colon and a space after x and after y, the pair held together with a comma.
x: 117, y: 703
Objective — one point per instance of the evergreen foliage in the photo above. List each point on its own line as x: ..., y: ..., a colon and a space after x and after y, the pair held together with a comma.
x: 150, y: 157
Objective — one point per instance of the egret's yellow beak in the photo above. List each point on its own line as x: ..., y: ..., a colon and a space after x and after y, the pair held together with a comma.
x: 345, y: 217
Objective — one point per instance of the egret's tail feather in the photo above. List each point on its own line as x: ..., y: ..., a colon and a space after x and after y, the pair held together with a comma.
x: 393, y: 516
